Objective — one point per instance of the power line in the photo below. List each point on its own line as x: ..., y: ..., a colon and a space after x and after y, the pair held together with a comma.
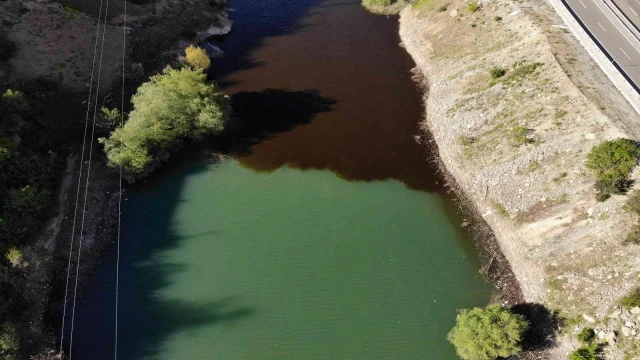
x: 124, y: 47
x: 86, y: 191
x: 84, y: 140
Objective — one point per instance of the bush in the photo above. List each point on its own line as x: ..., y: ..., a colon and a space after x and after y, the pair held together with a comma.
x: 9, y: 343
x: 197, y: 58
x: 633, y: 237
x: 28, y: 200
x: 172, y: 107
x: 612, y: 162
x: 587, y: 335
x: 473, y: 6
x: 443, y: 8
x: 14, y: 97
x: 584, y: 353
x: 497, y: 72
x: 631, y: 300
x: 15, y: 258
x: 520, y: 136
x: 485, y: 334
x: 497, y: 18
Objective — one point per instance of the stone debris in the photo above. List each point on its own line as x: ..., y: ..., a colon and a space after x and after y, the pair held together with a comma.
x: 588, y: 318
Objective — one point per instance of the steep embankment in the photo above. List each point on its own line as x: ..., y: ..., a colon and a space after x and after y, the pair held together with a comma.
x: 514, y: 105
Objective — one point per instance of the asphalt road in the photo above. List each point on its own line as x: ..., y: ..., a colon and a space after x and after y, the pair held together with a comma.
x: 610, y: 33
x: 631, y: 9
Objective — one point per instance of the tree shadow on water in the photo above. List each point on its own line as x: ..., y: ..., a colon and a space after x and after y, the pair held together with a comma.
x: 152, y: 307
x: 253, y: 23
x: 260, y: 115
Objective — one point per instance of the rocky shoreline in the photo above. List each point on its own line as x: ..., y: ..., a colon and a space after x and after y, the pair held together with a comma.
x: 532, y: 193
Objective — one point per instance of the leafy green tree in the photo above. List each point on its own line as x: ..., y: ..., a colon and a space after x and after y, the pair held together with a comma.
x: 177, y: 105
x: 486, y: 334
x: 612, y: 162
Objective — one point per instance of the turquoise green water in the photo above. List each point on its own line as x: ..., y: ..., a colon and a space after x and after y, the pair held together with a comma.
x: 289, y: 265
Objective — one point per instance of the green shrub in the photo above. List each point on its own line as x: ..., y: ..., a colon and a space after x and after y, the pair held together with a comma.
x: 9, y: 342
x: 110, y: 118
x: 14, y: 97
x: 520, y: 136
x: 584, y: 353
x: 173, y: 107
x: 197, y: 58
x: 473, y: 6
x: 497, y: 18
x: 631, y: 300
x: 612, y: 162
x: 587, y: 335
x: 443, y: 8
x: 497, y: 72
x: 71, y: 12
x: 485, y: 334
x: 618, y: 155
x: 15, y: 258
x: 28, y: 200
x: 633, y: 237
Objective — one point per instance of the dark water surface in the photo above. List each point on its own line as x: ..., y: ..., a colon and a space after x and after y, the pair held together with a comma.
x: 328, y: 239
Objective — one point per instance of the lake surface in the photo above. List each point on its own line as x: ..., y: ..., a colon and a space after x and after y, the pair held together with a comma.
x: 329, y: 238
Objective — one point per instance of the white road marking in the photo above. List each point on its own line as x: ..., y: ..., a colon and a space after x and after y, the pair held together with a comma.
x: 602, y: 27
x: 625, y: 54
x: 585, y: 6
x: 616, y: 26
x: 634, y: 13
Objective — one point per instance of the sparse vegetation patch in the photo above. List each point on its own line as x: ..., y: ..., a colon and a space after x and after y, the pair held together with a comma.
x: 632, y: 299
x: 384, y: 6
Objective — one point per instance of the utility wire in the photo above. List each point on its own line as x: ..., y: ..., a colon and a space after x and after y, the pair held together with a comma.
x: 86, y: 191
x: 75, y: 212
x: 124, y: 47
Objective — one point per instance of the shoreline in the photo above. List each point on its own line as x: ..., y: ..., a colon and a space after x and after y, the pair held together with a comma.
x: 553, y: 237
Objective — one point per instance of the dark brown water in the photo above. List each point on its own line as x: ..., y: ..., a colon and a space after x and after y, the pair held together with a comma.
x: 351, y: 61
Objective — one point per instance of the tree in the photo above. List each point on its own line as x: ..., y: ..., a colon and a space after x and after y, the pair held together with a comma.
x: 177, y: 105
x: 197, y: 58
x: 612, y: 162
x: 485, y: 334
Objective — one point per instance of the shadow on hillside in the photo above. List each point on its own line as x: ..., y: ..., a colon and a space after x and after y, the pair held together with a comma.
x: 544, y: 325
